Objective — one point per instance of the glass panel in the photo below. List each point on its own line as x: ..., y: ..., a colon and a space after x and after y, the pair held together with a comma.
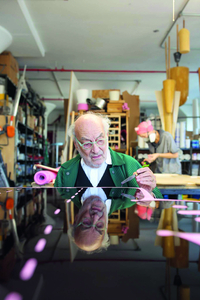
x: 38, y: 242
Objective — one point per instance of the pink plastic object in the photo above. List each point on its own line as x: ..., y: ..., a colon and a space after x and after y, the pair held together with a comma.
x: 28, y: 269
x: 179, y: 206
x: 39, y: 247
x: 13, y: 296
x: 191, y: 237
x: 44, y: 177
x: 189, y: 212
x: 125, y: 106
x: 48, y: 229
x: 125, y: 229
x: 82, y: 106
x: 56, y: 212
x: 144, y: 212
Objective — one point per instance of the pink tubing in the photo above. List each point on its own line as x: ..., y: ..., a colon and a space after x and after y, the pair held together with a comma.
x: 44, y: 177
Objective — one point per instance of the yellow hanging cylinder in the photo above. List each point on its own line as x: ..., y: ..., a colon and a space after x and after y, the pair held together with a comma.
x: 169, y: 90
x: 168, y: 245
x: 184, y: 292
x: 181, y: 76
x: 184, y: 41
x: 168, y: 122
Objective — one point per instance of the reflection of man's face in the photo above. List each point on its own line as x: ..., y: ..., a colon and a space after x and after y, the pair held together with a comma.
x: 91, y: 130
x: 90, y: 239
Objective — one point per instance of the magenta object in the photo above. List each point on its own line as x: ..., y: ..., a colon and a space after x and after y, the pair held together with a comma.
x: 56, y: 212
x: 179, y: 206
x: 189, y: 212
x: 189, y: 236
x: 82, y: 106
x: 44, y: 177
x: 48, y: 229
x: 39, y: 247
x: 13, y: 296
x: 28, y: 269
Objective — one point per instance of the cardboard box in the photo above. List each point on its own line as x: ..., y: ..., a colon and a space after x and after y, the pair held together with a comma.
x: 20, y: 114
x: 133, y: 102
x: 114, y: 107
x: 9, y: 66
x: 31, y: 121
x: 40, y: 121
x: 102, y: 93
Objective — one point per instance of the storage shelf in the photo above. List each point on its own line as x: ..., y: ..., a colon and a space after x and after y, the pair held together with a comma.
x: 22, y: 128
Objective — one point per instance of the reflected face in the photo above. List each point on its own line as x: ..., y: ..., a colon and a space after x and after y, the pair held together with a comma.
x: 90, y: 130
x: 91, y: 238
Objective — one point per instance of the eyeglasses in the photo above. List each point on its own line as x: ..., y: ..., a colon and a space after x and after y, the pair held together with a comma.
x: 88, y: 145
x: 87, y: 223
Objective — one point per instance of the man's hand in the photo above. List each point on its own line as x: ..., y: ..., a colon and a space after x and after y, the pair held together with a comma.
x: 146, y: 179
x: 151, y: 157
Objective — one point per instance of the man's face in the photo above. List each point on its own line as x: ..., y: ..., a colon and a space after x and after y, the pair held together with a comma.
x: 95, y: 210
x: 90, y: 131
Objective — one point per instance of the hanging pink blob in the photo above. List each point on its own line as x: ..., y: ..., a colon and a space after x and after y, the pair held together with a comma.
x: 13, y: 296
x: 189, y: 236
x: 28, y: 269
x: 189, y: 212
x: 56, y: 212
x: 39, y: 247
x: 179, y: 206
x: 48, y: 229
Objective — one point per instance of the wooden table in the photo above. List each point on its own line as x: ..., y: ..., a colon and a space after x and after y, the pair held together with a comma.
x: 179, y: 190
x: 178, y: 184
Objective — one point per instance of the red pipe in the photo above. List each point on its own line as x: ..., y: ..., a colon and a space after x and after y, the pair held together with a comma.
x: 52, y: 99
x: 95, y: 71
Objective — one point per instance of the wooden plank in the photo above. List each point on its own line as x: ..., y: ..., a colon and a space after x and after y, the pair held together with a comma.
x: 71, y: 139
x: 175, y: 180
x: 101, y: 93
x: 114, y: 107
x: 74, y: 86
x: 134, y: 118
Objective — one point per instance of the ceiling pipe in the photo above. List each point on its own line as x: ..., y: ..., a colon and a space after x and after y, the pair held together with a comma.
x: 174, y: 22
x: 52, y: 99
x: 57, y: 84
x: 96, y: 71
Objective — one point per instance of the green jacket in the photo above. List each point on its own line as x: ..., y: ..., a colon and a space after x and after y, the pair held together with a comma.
x: 123, y: 166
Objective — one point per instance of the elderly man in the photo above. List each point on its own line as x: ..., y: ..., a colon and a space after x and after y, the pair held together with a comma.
x: 98, y: 165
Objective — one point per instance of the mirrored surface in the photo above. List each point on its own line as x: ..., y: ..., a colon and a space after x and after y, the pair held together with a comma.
x: 94, y: 243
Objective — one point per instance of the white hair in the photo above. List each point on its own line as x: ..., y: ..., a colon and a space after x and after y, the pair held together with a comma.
x: 105, y: 120
x: 104, y: 245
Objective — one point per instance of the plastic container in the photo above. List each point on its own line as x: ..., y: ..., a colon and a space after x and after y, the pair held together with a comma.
x: 114, y: 95
x: 82, y: 106
x: 82, y: 95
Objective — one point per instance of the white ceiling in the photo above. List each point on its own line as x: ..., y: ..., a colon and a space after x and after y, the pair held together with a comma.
x: 100, y: 35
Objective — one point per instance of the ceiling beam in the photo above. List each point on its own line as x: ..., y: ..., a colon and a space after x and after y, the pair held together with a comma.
x: 31, y: 26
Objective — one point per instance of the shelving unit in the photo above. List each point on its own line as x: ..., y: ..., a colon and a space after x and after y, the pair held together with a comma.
x: 34, y: 153
x: 32, y: 146
x: 119, y: 121
x: 114, y: 139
